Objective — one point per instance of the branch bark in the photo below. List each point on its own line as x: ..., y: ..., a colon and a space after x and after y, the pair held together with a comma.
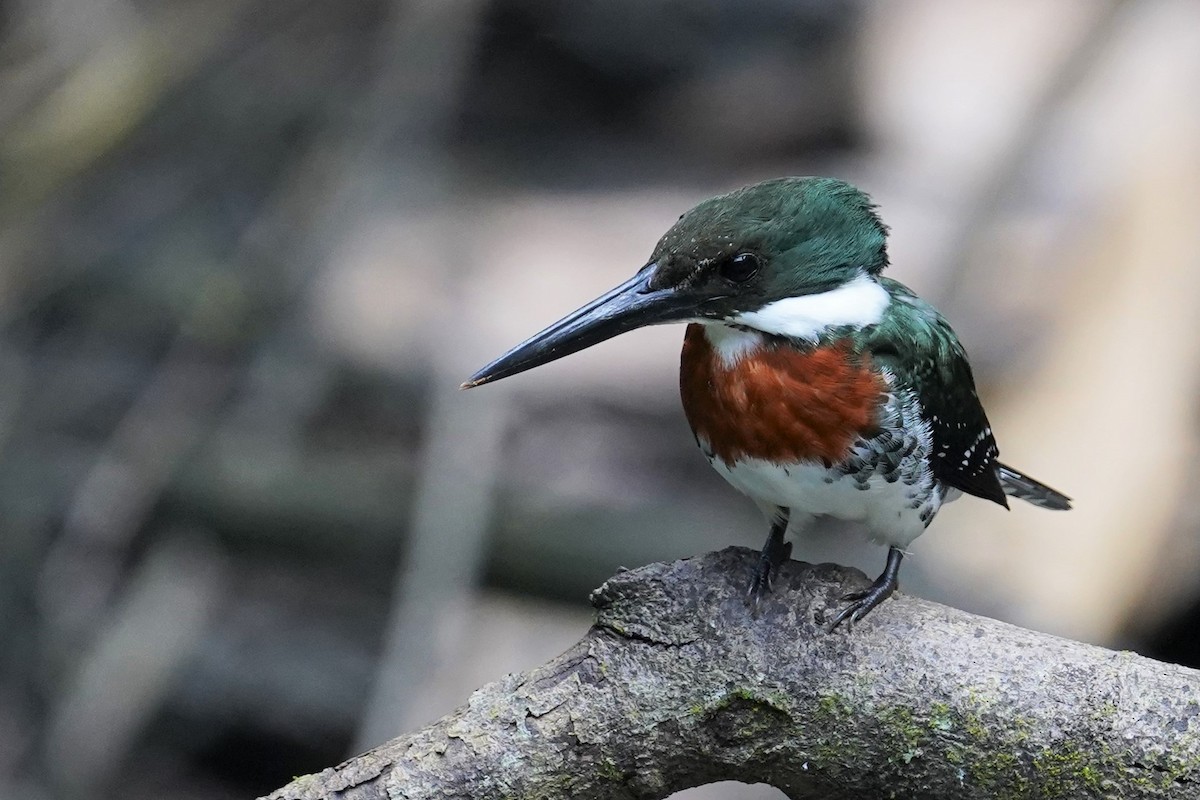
x: 678, y: 684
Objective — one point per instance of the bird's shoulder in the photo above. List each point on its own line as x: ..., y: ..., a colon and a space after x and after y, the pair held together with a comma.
x: 925, y: 358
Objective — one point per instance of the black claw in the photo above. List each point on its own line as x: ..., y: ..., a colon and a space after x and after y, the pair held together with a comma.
x: 861, y: 603
x: 774, y: 553
x: 762, y: 582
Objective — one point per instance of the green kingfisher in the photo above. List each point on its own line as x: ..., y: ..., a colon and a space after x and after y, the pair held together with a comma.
x: 812, y: 383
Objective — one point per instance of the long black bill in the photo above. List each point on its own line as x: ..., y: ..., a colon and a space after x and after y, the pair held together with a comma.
x: 631, y: 305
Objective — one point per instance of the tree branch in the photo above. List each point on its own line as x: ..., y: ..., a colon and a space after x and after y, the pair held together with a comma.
x: 678, y: 684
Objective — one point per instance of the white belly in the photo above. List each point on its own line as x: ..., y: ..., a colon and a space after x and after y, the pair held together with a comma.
x: 894, y: 513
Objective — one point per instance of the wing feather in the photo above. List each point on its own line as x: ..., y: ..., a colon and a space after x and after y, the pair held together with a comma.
x: 924, y: 354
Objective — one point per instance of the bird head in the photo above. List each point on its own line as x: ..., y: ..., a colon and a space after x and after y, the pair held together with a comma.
x: 749, y: 258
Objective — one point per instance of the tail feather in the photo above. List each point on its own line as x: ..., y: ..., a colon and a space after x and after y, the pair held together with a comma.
x: 1027, y: 489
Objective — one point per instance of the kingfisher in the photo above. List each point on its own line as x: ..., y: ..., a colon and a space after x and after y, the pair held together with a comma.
x: 812, y: 383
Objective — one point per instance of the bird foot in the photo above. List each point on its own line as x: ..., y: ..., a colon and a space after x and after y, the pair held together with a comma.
x: 861, y: 603
x: 769, y: 560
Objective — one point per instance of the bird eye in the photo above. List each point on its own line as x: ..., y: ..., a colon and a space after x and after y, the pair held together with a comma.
x: 740, y: 268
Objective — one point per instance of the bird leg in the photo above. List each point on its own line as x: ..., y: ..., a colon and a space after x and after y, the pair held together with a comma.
x: 862, y: 602
x: 774, y: 552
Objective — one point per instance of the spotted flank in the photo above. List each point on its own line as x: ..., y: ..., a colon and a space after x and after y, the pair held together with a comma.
x: 917, y: 343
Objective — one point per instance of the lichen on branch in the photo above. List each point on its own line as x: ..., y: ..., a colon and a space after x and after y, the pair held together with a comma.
x: 679, y: 683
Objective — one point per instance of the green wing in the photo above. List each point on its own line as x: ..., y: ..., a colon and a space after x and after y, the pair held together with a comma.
x: 921, y: 349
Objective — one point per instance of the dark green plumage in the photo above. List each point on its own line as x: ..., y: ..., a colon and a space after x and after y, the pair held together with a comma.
x: 817, y: 233
x: 921, y: 350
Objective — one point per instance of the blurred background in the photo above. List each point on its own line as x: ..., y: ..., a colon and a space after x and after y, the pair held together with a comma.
x: 249, y: 249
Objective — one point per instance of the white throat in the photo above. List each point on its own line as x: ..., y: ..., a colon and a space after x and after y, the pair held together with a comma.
x: 731, y: 344
x: 857, y: 303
